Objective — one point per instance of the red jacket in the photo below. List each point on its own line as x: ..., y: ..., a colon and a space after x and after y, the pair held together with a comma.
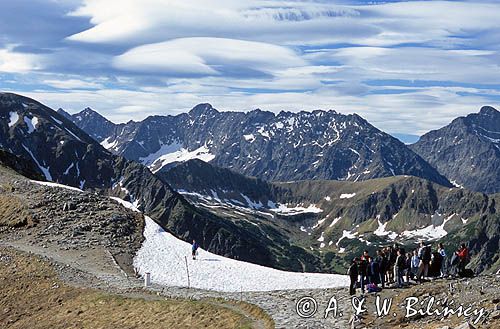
x: 463, y: 253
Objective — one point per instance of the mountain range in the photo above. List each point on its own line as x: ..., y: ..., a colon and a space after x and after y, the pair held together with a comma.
x: 283, y: 147
x: 195, y: 175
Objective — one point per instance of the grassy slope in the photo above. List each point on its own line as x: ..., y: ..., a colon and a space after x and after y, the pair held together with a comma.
x: 32, y: 294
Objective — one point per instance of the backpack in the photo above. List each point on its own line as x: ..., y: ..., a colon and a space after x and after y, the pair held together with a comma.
x: 372, y: 287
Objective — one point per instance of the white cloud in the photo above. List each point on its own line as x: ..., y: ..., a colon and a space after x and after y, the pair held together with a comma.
x: 73, y: 84
x: 413, y: 63
x: 13, y: 62
x: 277, y: 55
x: 285, y: 22
x: 207, y: 56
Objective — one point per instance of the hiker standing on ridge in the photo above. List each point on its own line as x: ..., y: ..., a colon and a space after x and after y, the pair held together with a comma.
x: 415, y: 262
x: 424, y: 254
x: 353, y: 275
x: 444, y: 261
x: 463, y: 256
x: 194, y: 249
x: 362, y: 270
x: 382, y: 263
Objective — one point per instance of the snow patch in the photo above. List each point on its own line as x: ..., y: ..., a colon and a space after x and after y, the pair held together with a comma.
x: 13, y: 118
x: 346, y: 234
x: 347, y: 195
x: 45, y: 170
x: 249, y: 138
x: 175, y: 152
x: 454, y: 183
x: 108, y: 145
x: 380, y: 231
x: 335, y: 221
x: 284, y: 210
x: 430, y: 232
x: 31, y: 123
x: 319, y: 223
x: 51, y: 184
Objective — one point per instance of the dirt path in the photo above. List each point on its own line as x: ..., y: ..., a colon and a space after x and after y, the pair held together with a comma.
x: 95, y: 268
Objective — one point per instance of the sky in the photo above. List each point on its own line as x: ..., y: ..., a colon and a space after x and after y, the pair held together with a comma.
x: 406, y: 66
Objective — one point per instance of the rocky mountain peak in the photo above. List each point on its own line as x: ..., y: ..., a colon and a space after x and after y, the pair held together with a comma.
x: 317, y: 145
x: 93, y: 123
x: 489, y: 110
x: 467, y: 151
x: 202, y: 109
x: 88, y: 111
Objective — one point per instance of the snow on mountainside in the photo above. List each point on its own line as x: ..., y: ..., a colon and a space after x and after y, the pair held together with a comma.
x: 173, y: 153
x: 467, y: 150
x: 164, y: 257
x: 285, y: 146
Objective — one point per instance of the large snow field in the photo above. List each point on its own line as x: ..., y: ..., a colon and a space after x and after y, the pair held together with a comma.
x: 168, y: 260
x: 164, y: 256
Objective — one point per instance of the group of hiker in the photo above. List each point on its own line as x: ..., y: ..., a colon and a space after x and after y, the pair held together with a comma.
x: 393, y: 266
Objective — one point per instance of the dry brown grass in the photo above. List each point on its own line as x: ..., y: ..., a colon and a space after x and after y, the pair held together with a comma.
x: 13, y: 212
x: 31, y: 296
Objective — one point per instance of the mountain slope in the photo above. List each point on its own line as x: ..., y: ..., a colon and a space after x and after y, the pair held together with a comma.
x: 25, y: 167
x: 65, y: 154
x: 467, y: 151
x: 282, y: 147
x: 340, y: 219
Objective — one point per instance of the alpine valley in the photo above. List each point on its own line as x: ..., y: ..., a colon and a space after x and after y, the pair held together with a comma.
x: 295, y: 191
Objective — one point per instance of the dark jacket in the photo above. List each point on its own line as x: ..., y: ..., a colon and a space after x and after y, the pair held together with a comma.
x: 362, y: 266
x: 401, y: 262
x: 353, y: 271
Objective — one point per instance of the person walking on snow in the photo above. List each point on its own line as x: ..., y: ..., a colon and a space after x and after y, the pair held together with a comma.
x: 194, y: 249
